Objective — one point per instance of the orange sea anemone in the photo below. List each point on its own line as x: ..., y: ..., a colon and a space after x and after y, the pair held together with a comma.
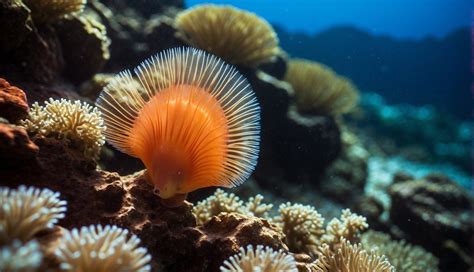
x: 193, y: 120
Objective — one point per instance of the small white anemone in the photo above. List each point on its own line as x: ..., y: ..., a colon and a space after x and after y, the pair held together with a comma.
x: 26, y: 211
x: 260, y: 259
x: 97, y: 248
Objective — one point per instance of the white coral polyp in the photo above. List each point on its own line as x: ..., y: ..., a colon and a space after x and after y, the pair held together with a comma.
x: 26, y: 211
x: 97, y: 248
x: 21, y: 257
x: 68, y: 120
x: 260, y: 259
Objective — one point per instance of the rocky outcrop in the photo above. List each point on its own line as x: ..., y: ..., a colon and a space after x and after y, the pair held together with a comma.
x: 13, y: 105
x: 436, y: 213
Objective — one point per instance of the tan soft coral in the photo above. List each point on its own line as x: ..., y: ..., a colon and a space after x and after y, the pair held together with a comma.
x: 319, y: 90
x: 222, y: 202
x: 74, y: 121
x: 237, y: 36
x: 350, y: 258
x: 402, y: 255
x: 260, y: 259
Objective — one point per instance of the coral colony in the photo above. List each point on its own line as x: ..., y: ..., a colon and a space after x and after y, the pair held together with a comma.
x: 185, y: 121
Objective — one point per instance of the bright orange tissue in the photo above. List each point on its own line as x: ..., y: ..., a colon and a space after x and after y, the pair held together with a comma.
x: 192, y: 119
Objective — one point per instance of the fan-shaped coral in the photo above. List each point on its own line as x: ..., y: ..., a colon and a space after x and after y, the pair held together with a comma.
x: 237, y: 36
x: 319, y: 90
x: 350, y: 258
x: 97, y: 248
x: 26, y: 211
x: 73, y: 121
x: 403, y: 256
x: 19, y: 257
x: 196, y: 124
x: 260, y: 259
x: 52, y: 10
x: 302, y: 225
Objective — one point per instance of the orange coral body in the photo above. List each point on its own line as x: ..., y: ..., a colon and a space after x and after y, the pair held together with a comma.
x: 168, y: 137
x: 192, y: 119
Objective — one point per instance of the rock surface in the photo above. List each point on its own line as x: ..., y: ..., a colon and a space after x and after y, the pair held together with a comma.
x: 16, y: 148
x: 437, y: 214
x: 13, y: 105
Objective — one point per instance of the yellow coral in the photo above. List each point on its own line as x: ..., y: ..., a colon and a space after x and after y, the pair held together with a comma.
x: 69, y: 120
x: 52, y: 10
x: 260, y: 259
x: 237, y: 36
x: 350, y: 258
x: 403, y: 256
x: 19, y: 257
x: 319, y: 90
x: 26, y: 211
x: 302, y: 225
x: 98, y: 248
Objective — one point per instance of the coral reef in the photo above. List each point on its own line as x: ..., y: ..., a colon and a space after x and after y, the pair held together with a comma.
x: 97, y: 248
x: 403, y: 256
x: 349, y: 172
x: 77, y: 122
x: 435, y: 207
x: 260, y: 259
x: 19, y: 257
x: 81, y: 36
x: 303, y: 227
x: 350, y: 258
x: 13, y: 104
x: 319, y: 90
x: 222, y: 202
x: 52, y: 10
x: 237, y: 36
x: 26, y: 211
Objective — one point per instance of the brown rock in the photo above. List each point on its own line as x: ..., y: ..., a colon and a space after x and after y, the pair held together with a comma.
x: 435, y: 212
x: 13, y: 105
x: 15, y: 146
x: 16, y: 24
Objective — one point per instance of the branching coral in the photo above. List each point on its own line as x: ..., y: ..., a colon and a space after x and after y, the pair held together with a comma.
x: 221, y: 202
x: 19, y: 257
x: 98, y: 248
x: 350, y: 258
x: 26, y: 211
x: 319, y: 90
x: 302, y: 225
x: 237, y: 36
x: 52, y: 10
x: 77, y: 122
x: 260, y: 259
x: 348, y: 227
x: 403, y: 256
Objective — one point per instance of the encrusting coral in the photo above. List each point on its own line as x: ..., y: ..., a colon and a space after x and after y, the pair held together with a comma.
x: 97, y: 248
x: 192, y: 128
x: 73, y: 121
x: 402, y: 255
x: 26, y: 211
x: 260, y: 259
x: 19, y: 257
x: 237, y: 36
x: 222, y: 202
x: 45, y: 11
x: 319, y: 90
x: 350, y: 258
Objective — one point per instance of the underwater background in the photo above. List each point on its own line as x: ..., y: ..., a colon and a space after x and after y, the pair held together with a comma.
x: 236, y: 135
